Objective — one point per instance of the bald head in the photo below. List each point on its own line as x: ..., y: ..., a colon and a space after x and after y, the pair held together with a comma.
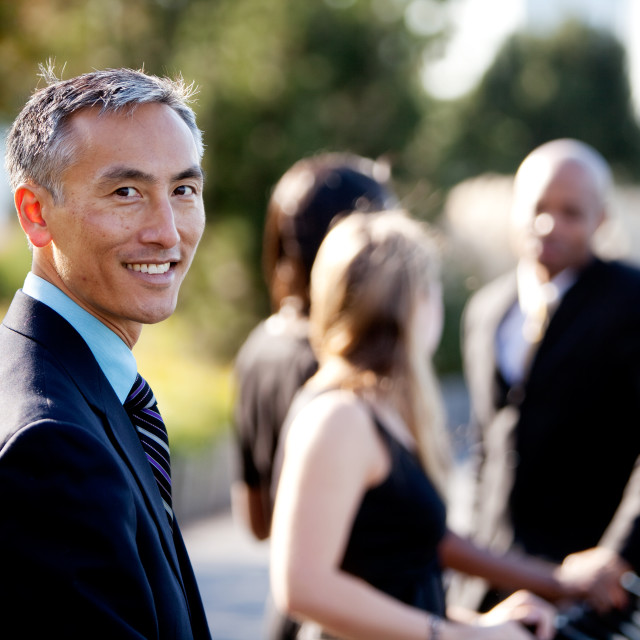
x: 560, y: 197
x: 544, y: 161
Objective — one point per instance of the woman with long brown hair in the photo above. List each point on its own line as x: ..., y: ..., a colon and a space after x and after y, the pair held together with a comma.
x: 359, y: 516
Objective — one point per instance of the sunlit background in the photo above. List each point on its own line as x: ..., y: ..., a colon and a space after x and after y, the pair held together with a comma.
x: 453, y: 93
x: 480, y: 27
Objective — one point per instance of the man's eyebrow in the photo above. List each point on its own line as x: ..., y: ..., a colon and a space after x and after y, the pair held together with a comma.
x: 119, y: 173
x: 191, y: 172
x: 116, y: 174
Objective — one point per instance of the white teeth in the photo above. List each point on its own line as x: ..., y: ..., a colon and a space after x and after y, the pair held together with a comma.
x: 149, y: 268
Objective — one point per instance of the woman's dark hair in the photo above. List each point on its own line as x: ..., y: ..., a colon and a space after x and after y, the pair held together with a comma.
x: 305, y: 202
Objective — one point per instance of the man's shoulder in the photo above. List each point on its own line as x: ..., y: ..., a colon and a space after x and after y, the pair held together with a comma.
x: 613, y: 280
x: 34, y: 386
x: 504, y: 282
x: 621, y: 271
x: 36, y: 379
x: 274, y: 345
x: 497, y: 293
x: 33, y: 319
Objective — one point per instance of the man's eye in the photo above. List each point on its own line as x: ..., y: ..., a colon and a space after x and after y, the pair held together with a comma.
x: 125, y: 192
x: 185, y: 190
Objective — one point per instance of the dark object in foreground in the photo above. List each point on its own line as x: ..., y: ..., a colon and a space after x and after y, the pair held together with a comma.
x: 581, y: 622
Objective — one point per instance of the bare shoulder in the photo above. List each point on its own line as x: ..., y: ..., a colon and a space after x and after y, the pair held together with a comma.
x: 333, y: 414
x: 336, y: 423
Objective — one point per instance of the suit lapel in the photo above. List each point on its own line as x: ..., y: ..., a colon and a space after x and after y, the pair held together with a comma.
x: 38, y: 322
x: 485, y: 315
x: 569, y: 322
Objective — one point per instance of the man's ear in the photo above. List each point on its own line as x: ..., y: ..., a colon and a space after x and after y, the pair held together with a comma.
x: 30, y: 201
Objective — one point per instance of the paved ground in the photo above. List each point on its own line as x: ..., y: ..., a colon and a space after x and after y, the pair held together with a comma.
x: 233, y: 574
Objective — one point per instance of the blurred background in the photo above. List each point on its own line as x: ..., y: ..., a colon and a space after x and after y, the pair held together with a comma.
x: 453, y: 93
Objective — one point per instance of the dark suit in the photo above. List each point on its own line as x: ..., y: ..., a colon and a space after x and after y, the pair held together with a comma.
x: 558, y: 451
x: 87, y: 548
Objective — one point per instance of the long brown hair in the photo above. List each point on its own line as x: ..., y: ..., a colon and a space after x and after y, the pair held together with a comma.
x: 365, y: 285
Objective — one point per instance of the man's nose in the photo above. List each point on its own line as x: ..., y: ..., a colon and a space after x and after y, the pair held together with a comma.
x: 161, y: 228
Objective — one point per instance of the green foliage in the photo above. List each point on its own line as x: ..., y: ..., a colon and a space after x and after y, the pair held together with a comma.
x: 572, y: 84
x: 286, y: 80
x: 194, y: 390
x: 221, y: 296
x: 80, y: 35
x: 280, y: 82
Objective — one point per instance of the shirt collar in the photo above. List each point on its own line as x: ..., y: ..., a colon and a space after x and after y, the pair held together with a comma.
x: 532, y: 292
x: 114, y: 357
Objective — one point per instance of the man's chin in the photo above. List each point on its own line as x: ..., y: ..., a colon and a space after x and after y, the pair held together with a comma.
x: 552, y: 267
x: 156, y: 314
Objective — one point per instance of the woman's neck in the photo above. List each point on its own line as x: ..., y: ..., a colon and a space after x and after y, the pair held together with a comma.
x: 332, y: 372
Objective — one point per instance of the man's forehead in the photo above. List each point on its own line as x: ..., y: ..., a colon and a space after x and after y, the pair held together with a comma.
x: 125, y: 137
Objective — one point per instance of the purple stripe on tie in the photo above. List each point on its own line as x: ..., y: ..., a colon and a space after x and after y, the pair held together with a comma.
x: 159, y: 456
x: 159, y: 468
x: 152, y: 413
x: 143, y: 412
x: 134, y: 393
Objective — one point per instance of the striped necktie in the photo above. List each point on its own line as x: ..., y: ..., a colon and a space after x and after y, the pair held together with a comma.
x: 143, y: 410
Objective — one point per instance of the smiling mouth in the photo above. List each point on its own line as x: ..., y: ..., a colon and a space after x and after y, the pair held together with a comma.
x: 149, y: 267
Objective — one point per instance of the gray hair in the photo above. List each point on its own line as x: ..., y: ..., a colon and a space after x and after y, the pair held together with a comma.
x: 39, y: 147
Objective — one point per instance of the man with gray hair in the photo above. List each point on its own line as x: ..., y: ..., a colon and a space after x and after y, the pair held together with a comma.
x: 105, y: 170
x: 552, y: 361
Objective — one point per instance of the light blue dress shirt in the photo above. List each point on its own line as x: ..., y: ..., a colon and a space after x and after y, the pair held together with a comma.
x: 113, y: 355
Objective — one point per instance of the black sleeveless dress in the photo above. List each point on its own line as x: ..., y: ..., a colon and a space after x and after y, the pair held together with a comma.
x: 396, y: 532
x: 395, y: 535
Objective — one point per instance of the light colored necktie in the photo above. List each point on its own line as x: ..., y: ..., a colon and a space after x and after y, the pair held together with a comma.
x: 535, y: 326
x: 535, y: 322
x: 143, y: 410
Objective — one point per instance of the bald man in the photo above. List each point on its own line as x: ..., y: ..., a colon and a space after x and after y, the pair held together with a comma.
x: 552, y: 361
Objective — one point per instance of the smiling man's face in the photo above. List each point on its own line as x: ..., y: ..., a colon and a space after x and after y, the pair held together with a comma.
x: 122, y: 239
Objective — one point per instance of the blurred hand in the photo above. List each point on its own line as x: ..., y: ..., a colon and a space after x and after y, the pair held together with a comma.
x: 595, y: 574
x: 527, y: 609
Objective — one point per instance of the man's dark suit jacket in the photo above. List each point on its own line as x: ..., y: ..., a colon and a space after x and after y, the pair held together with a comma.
x: 87, y: 548
x: 558, y: 451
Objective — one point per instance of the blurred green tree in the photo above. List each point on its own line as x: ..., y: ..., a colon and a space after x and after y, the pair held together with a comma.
x: 81, y: 35
x: 279, y: 82
x: 570, y: 84
x: 290, y: 79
